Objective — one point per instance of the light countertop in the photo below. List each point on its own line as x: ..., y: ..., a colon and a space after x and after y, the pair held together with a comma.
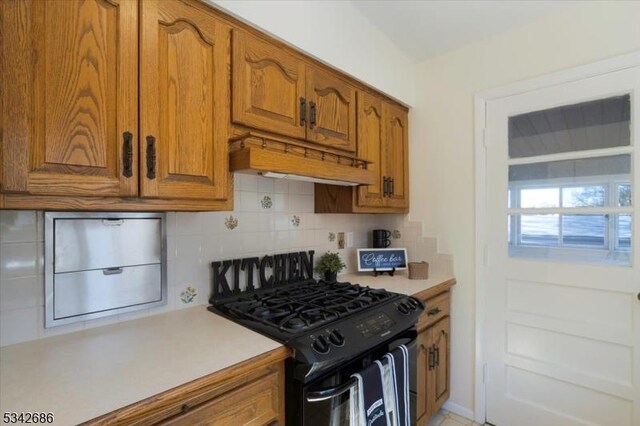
x: 82, y: 375
x: 399, y: 283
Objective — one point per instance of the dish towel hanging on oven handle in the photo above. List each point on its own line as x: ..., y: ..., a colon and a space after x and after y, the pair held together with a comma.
x: 397, y: 385
x: 367, y: 406
x: 381, y: 394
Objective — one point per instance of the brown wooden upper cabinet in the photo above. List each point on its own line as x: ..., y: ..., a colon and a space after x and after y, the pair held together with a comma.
x: 383, y: 141
x: 396, y: 160
x: 114, y: 98
x: 278, y: 92
x: 184, y: 108
x: 268, y: 87
x: 70, y: 89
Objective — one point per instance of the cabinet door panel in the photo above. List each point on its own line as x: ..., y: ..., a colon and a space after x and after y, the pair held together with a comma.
x: 396, y: 131
x: 267, y: 86
x: 440, y: 375
x: 335, y: 110
x: 184, y: 105
x: 70, y: 93
x: 371, y: 144
x: 257, y: 403
x: 424, y: 341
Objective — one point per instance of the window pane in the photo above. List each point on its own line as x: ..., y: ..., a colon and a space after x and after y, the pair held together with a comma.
x: 539, y: 197
x: 539, y: 229
x: 583, y: 230
x: 615, y: 165
x: 583, y: 196
x: 624, y: 194
x: 623, y: 231
x: 603, y: 123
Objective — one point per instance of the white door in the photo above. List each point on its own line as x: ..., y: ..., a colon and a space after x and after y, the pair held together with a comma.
x: 563, y: 264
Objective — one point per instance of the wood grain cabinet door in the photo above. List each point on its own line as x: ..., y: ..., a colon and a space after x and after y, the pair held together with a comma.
x: 371, y: 143
x: 268, y: 87
x: 422, y: 366
x: 439, y: 376
x: 184, y: 105
x: 70, y: 97
x: 332, y: 110
x: 397, y: 160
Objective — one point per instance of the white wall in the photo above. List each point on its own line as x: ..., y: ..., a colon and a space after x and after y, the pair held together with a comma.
x: 336, y: 33
x: 441, y: 135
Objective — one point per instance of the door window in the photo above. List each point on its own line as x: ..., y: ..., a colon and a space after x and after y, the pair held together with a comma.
x: 570, y: 183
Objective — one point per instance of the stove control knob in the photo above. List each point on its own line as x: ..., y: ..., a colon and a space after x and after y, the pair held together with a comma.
x: 412, y: 304
x: 321, y: 345
x: 336, y: 337
x: 403, y: 308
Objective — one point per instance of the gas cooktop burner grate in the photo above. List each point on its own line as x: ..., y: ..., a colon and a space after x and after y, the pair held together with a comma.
x: 299, y: 307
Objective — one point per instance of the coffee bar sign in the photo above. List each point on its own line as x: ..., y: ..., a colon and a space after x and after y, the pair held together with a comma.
x: 385, y: 259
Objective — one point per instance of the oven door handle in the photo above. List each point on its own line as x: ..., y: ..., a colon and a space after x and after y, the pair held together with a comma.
x: 332, y: 392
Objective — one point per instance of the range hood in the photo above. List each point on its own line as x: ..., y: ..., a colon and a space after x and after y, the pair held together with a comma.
x: 268, y: 156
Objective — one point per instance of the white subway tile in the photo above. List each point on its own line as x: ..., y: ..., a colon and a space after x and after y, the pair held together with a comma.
x: 281, y: 202
x: 18, y: 325
x: 248, y: 202
x: 18, y: 260
x: 188, y: 224
x: 265, y: 184
x: 244, y: 182
x: 307, y: 188
x: 281, y: 186
x: 188, y: 247
x: 170, y: 223
x: 21, y: 293
x: 18, y: 226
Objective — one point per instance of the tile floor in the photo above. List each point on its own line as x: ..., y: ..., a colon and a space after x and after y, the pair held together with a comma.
x: 446, y: 418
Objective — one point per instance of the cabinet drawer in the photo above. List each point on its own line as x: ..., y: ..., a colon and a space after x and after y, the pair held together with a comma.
x: 256, y: 403
x: 436, y: 308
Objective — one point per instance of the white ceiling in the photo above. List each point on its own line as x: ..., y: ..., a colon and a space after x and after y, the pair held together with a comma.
x: 428, y: 28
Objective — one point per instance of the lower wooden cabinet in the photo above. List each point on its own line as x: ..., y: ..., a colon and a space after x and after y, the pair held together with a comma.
x: 434, y: 331
x: 248, y: 393
x: 256, y: 403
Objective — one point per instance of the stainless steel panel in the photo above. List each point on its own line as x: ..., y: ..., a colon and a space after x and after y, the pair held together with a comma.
x: 119, y: 261
x: 84, y: 244
x: 86, y: 292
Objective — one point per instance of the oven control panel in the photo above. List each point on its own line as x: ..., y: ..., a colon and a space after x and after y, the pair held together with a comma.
x: 375, y: 324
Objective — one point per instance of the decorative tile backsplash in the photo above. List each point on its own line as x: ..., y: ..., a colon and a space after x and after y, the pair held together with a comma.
x: 270, y: 216
x: 194, y: 240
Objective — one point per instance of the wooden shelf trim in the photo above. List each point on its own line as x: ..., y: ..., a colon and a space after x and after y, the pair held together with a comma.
x: 263, y: 154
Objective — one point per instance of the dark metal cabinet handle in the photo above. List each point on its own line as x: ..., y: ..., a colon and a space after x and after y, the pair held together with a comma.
x: 127, y: 154
x: 385, y: 187
x: 303, y: 111
x: 112, y: 271
x: 151, y: 157
x: 184, y: 408
x: 312, y: 115
x: 391, y: 186
x: 432, y: 357
x: 434, y: 311
x: 436, y: 351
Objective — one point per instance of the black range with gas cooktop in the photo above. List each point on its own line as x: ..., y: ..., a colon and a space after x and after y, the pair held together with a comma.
x: 334, y: 329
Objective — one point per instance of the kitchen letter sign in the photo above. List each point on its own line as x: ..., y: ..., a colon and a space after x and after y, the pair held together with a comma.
x: 384, y: 259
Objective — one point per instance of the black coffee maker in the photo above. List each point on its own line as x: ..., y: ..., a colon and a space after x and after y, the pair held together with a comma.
x: 381, y: 238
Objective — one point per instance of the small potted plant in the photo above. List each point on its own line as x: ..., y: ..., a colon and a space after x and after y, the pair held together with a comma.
x: 330, y: 264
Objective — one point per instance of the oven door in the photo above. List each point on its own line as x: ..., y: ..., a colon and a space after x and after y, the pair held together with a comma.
x: 325, y: 401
